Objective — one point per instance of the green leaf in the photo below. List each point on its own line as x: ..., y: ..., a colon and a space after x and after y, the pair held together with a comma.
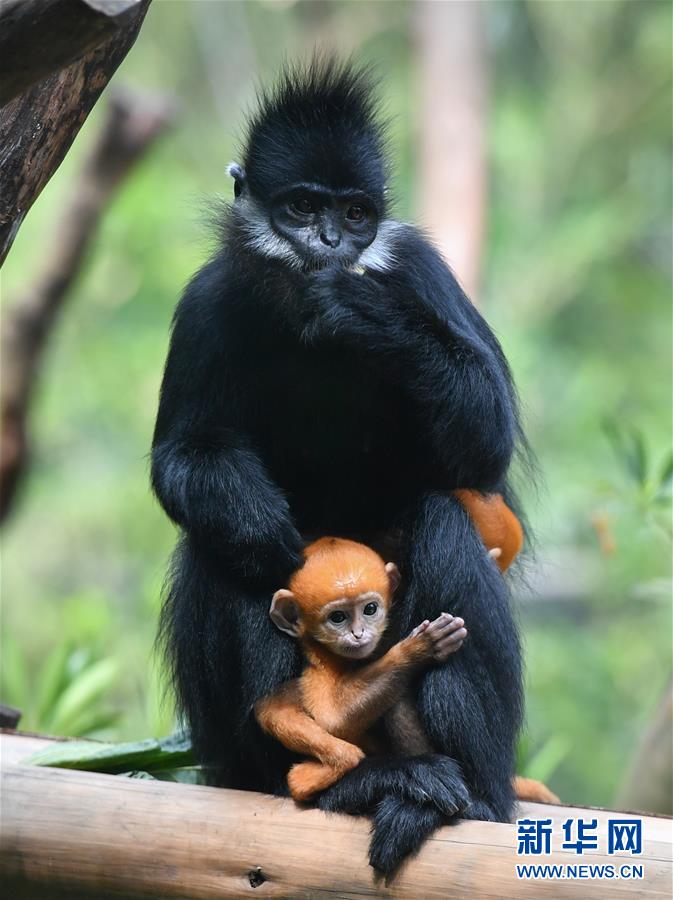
x: 638, y: 456
x: 629, y: 447
x: 666, y: 476
x: 51, y: 681
x: 94, y: 756
x: 81, y: 693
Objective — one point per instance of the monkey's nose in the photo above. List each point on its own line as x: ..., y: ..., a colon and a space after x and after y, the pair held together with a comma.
x: 330, y: 238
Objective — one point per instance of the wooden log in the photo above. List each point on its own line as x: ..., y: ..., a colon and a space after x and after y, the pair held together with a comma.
x: 38, y: 37
x: 78, y: 834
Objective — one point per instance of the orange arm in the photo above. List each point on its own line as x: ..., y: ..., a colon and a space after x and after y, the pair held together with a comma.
x: 496, y: 523
x: 281, y: 715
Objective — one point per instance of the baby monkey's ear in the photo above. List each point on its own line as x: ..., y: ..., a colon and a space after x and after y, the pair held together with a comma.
x: 394, y: 576
x: 284, y: 613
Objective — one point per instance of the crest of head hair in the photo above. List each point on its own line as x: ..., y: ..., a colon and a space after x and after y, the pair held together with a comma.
x: 318, y: 124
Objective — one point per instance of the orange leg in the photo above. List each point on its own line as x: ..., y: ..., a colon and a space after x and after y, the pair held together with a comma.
x: 282, y: 717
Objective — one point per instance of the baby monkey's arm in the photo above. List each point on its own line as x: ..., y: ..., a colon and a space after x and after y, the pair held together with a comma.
x: 367, y: 693
x: 282, y: 716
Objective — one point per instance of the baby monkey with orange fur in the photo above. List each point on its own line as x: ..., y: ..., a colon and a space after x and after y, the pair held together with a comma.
x: 337, y: 605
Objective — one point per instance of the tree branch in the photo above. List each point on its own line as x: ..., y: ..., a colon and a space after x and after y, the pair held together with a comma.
x: 37, y: 37
x: 38, y: 127
x: 132, y: 125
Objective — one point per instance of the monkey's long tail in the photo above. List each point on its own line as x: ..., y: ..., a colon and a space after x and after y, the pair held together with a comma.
x: 408, y: 799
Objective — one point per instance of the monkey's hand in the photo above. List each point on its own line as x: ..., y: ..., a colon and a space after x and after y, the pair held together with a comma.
x: 343, y: 303
x: 437, y: 640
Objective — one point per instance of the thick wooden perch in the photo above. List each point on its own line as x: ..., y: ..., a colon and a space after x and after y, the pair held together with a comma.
x: 77, y: 834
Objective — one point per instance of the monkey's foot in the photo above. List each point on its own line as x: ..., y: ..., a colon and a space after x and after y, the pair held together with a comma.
x: 308, y: 778
x: 535, y: 791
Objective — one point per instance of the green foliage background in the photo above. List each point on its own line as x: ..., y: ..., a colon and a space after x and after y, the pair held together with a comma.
x: 577, y: 284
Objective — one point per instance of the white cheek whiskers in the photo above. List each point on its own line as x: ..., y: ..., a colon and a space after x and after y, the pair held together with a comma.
x: 380, y: 255
x: 261, y: 238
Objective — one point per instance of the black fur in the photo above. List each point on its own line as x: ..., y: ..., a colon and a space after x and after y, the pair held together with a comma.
x: 327, y: 402
x: 298, y: 123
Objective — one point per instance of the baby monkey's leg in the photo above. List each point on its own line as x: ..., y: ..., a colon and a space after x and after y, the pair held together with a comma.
x: 282, y: 717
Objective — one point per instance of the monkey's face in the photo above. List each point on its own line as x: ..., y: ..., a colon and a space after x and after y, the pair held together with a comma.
x: 351, y: 627
x: 323, y: 227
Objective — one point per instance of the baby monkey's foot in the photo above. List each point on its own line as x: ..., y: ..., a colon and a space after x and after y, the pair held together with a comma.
x: 442, y: 637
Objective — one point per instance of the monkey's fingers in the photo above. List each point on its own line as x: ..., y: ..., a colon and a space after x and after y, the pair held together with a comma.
x: 446, y: 635
x: 449, y: 644
x: 419, y: 629
x: 444, y: 622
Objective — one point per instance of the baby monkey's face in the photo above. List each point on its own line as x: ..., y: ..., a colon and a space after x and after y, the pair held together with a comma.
x: 351, y: 627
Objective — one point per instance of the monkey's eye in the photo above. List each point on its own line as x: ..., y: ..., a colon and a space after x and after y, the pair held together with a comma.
x: 370, y: 609
x: 356, y: 213
x: 337, y: 617
x: 303, y: 206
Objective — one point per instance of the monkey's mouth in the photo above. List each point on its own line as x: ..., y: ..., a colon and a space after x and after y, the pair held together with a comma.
x: 359, y: 650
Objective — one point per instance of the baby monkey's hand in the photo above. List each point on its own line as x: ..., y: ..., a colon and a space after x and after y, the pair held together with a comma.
x: 440, y: 638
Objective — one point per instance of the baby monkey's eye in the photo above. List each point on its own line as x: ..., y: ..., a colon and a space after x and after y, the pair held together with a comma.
x: 337, y: 617
x: 356, y: 213
x: 370, y: 609
x: 303, y: 205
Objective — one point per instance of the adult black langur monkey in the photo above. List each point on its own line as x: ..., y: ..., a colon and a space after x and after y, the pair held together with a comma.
x: 327, y: 375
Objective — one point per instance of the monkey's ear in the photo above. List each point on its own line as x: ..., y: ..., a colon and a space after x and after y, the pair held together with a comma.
x: 284, y: 613
x: 394, y: 576
x: 238, y: 174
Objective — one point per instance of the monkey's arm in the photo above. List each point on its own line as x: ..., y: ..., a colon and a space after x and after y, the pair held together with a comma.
x: 207, y: 476
x: 363, y: 696
x: 416, y: 325
x: 282, y: 716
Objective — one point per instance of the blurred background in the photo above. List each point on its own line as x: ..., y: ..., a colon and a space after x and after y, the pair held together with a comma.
x: 533, y: 140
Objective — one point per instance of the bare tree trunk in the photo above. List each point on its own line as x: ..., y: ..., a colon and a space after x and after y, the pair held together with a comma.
x: 38, y: 37
x: 453, y: 86
x: 133, y: 123
x: 38, y: 127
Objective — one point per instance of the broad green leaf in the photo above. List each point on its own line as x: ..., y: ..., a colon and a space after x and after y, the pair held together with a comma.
x: 51, y: 681
x: 94, y: 756
x: 87, y: 687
